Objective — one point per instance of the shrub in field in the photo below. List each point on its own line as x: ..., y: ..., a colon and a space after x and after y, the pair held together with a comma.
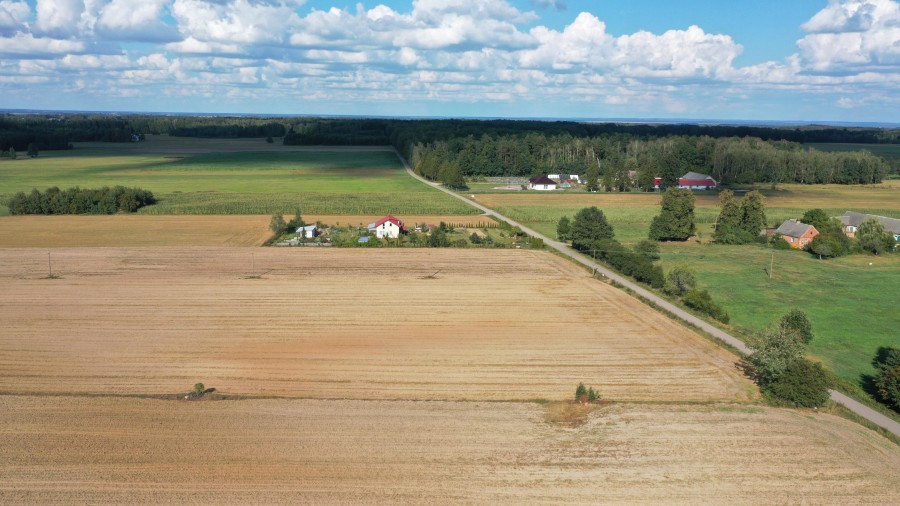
x: 775, y: 351
x: 798, y: 323
x: 199, y: 388
x: 702, y: 301
x: 679, y: 281
x: 585, y: 395
x: 802, y: 384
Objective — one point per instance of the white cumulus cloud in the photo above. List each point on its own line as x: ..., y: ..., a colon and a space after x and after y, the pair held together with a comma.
x: 853, y: 35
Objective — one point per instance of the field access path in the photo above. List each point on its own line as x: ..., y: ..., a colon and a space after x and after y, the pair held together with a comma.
x: 848, y: 402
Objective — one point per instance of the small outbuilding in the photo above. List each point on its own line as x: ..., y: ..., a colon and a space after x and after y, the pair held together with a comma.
x: 309, y: 231
x: 542, y: 183
x: 796, y: 233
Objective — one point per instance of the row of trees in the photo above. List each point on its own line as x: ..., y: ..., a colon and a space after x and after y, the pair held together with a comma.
x: 106, y: 200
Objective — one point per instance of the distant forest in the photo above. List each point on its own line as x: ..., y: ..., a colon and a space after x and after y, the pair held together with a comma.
x: 450, y: 149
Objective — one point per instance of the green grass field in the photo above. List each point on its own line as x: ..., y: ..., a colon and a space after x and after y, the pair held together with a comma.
x: 853, y: 305
x: 321, y: 182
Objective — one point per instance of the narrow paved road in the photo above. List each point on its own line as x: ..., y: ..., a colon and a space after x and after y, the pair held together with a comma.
x: 848, y: 402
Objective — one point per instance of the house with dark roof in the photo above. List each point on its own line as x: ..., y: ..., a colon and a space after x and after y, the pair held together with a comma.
x: 542, y: 183
x: 389, y: 226
x: 796, y: 233
x: 851, y: 220
x: 692, y: 181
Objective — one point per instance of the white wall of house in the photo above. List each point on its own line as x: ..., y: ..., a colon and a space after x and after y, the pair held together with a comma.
x: 543, y: 187
x: 387, y: 229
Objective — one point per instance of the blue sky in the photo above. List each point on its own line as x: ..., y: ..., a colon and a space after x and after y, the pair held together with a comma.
x: 816, y: 60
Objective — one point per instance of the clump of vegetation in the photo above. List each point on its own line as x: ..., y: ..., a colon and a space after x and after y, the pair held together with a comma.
x: 586, y: 395
x: 564, y: 229
x: 780, y: 369
x: 106, y: 200
x: 702, y: 301
x: 679, y: 281
x: 675, y: 221
x: 887, y: 377
x: 740, y: 223
x: 872, y: 237
x: 593, y: 235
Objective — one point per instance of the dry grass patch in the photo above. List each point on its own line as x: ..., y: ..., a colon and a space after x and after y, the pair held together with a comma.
x: 132, y: 230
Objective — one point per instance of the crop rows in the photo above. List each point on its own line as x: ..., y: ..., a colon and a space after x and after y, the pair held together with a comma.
x: 411, y: 203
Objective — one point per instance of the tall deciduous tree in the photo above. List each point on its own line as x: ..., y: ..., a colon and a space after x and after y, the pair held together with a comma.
x: 753, y: 213
x: 675, y: 221
x: 874, y: 238
x: 592, y: 177
x: 588, y: 227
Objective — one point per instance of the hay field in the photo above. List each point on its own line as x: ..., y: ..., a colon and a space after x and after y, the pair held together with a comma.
x: 129, y: 451
x: 163, y: 230
x: 358, y: 324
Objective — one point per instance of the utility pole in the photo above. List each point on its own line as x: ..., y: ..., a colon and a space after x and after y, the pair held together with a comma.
x: 771, y: 264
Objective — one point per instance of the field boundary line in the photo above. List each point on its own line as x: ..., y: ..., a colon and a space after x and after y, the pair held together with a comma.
x: 838, y: 397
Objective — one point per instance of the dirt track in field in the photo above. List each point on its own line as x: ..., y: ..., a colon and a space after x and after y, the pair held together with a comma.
x: 128, y: 451
x: 176, y: 230
x: 359, y: 324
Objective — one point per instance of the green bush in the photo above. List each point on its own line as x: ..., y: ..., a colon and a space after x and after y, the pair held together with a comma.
x: 679, y: 281
x: 702, y: 301
x: 802, y: 384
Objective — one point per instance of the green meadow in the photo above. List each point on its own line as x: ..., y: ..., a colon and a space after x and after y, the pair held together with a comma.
x: 337, y: 181
x: 853, y: 305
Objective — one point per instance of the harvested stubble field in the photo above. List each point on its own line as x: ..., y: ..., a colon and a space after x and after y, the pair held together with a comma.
x: 162, y: 230
x: 359, y: 324
x: 128, y: 451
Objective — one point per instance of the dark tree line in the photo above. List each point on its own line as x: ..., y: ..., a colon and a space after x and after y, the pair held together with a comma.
x: 731, y: 154
x: 627, y: 163
x: 106, y: 200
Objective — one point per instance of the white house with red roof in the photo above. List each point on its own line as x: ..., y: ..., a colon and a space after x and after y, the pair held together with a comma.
x: 389, y: 226
x: 692, y: 181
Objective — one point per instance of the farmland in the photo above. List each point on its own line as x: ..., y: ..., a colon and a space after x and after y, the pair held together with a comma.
x: 90, y: 450
x: 447, y: 325
x: 851, y: 321
x: 384, y: 377
x: 192, y: 177
x: 171, y: 230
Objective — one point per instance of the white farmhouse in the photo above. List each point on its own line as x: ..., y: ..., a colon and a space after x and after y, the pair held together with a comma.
x: 542, y: 183
x: 389, y: 226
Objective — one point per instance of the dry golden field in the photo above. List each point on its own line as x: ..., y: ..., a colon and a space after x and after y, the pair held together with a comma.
x: 333, y: 323
x: 168, y: 230
x: 130, y: 451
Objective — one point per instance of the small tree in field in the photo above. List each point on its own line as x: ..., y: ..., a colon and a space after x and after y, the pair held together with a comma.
x: 563, y: 229
x: 199, y: 388
x: 679, y: 281
x: 874, y: 238
x: 277, y: 225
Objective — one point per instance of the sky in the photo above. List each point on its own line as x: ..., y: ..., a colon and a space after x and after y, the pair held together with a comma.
x: 794, y: 60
